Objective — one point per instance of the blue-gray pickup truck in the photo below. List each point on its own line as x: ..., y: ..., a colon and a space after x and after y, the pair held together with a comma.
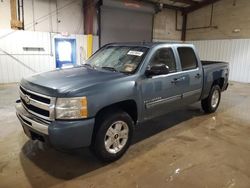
x: 98, y: 103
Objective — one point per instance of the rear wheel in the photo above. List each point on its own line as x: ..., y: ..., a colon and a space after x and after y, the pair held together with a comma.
x: 211, y: 103
x: 113, y: 136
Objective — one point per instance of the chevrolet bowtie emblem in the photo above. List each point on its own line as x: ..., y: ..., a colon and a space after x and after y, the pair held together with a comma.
x: 27, y: 99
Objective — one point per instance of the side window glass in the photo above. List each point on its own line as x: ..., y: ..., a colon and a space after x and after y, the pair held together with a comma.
x: 164, y: 56
x: 187, y: 58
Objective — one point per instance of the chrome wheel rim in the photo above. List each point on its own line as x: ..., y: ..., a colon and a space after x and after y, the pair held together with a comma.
x: 116, y: 137
x: 215, y: 98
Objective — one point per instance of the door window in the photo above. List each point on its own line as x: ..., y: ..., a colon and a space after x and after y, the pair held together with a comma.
x: 187, y: 58
x: 164, y: 56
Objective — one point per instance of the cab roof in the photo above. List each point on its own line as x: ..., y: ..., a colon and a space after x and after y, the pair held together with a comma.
x: 142, y: 44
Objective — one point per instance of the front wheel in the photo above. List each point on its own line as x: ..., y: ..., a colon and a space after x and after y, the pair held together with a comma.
x: 211, y: 103
x: 113, y: 136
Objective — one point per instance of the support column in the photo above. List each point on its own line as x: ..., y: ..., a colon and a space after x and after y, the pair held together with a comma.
x: 184, y: 27
x: 15, y: 23
x: 89, y: 12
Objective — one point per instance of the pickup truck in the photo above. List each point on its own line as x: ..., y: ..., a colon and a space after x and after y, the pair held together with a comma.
x: 98, y: 103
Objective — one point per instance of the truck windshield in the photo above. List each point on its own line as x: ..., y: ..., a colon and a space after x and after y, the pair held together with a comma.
x: 125, y: 59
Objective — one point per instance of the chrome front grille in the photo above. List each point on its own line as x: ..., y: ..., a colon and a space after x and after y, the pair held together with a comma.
x: 37, y: 104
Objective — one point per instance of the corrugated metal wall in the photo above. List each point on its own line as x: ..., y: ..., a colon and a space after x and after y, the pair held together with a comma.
x: 234, y: 51
x: 16, y: 63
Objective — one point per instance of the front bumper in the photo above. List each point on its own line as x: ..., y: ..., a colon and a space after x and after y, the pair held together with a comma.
x: 59, y: 134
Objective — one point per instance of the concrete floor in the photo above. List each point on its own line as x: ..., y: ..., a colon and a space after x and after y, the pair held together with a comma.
x: 183, y: 149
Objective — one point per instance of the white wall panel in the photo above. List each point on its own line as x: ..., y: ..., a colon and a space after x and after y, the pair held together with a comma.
x: 47, y: 15
x: 234, y: 51
x: 16, y: 63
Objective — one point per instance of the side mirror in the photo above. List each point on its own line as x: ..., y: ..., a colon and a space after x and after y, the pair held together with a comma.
x: 157, y: 69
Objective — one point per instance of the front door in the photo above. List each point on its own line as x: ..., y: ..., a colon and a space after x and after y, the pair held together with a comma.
x: 65, y: 52
x: 162, y: 93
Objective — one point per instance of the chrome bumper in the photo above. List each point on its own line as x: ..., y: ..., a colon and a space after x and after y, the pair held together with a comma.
x: 30, y: 120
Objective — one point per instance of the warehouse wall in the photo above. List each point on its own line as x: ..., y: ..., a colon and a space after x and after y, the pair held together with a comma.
x: 164, y: 25
x: 228, y: 15
x: 4, y: 14
x: 48, y: 15
x: 16, y: 63
x: 234, y: 51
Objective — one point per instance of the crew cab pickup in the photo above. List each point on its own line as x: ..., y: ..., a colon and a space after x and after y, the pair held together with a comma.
x: 99, y: 103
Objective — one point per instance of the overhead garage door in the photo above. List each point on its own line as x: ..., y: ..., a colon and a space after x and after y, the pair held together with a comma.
x: 125, y: 22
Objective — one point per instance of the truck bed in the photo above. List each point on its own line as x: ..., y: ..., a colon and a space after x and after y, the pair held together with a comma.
x: 204, y: 63
x: 213, y: 70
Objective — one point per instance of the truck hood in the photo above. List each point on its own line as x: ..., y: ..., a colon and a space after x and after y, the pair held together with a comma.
x: 64, y: 81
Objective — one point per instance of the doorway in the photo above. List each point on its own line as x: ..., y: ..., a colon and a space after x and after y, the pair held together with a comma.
x: 65, y: 50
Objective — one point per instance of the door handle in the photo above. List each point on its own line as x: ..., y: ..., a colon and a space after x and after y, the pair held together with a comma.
x: 175, y: 80
x: 198, y: 76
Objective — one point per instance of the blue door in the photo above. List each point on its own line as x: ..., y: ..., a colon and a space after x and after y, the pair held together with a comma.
x: 65, y: 52
x: 162, y: 93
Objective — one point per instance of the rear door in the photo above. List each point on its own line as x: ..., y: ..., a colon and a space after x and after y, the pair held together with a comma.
x: 191, y: 72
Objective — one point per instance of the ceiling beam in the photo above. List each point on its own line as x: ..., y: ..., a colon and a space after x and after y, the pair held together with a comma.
x: 199, y: 5
x: 172, y: 7
x: 189, y: 2
x: 163, y: 5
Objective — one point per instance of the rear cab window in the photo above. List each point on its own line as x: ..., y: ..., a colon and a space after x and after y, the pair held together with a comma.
x: 188, y: 58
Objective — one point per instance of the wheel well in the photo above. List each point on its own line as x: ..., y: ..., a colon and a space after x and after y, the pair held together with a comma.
x: 219, y: 82
x: 128, y: 106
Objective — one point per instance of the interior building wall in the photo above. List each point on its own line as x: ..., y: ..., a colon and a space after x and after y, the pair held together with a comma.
x: 4, y: 14
x: 165, y: 25
x: 15, y: 62
x: 234, y: 51
x: 230, y: 16
x: 43, y: 21
x: 48, y: 15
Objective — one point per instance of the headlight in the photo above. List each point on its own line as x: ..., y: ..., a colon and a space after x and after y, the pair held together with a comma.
x: 71, y: 108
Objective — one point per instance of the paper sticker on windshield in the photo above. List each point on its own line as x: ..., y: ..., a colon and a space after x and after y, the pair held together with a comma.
x: 136, y: 53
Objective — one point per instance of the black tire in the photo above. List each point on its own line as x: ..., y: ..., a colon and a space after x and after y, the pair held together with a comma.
x: 103, y: 123
x: 207, y: 102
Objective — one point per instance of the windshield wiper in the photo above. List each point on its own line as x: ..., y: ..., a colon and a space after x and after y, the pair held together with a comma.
x: 110, y: 68
x: 87, y: 65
